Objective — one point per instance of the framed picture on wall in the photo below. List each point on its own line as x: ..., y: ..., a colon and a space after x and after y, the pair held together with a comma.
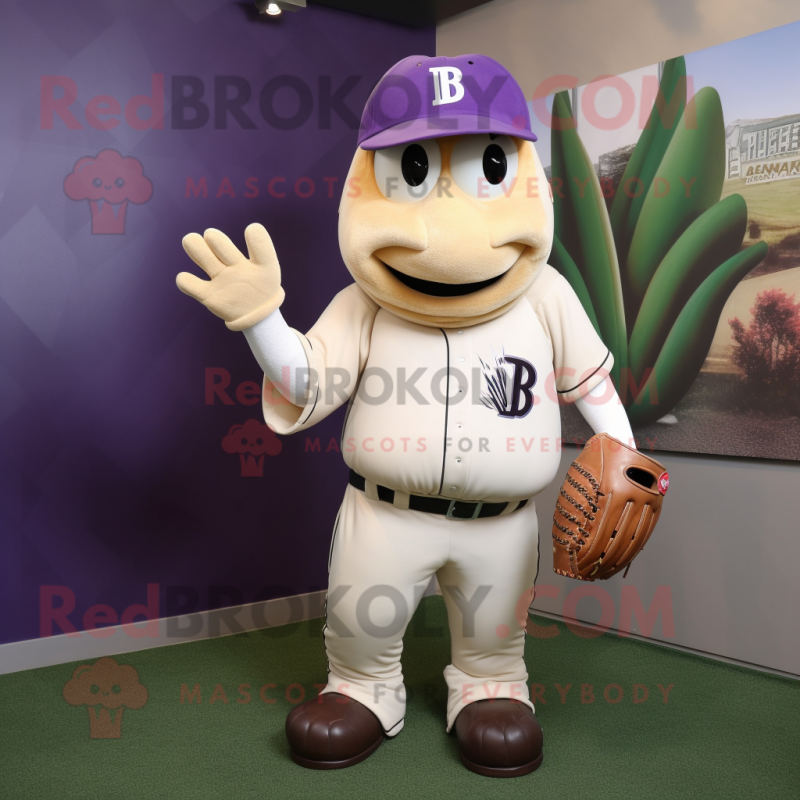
x: 677, y: 221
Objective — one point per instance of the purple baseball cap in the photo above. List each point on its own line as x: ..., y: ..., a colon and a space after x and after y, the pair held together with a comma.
x: 422, y: 97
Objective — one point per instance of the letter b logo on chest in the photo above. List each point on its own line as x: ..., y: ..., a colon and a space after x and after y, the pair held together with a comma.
x: 509, y: 386
x: 447, y: 86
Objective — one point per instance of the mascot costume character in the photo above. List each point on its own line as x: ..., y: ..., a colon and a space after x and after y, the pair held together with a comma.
x: 451, y: 349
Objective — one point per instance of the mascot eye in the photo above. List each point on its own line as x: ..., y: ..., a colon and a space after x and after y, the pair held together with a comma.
x: 495, y: 165
x: 414, y: 163
x: 116, y: 688
x: 119, y: 183
x: 97, y: 183
x: 408, y: 172
x: 94, y: 688
x: 484, y: 165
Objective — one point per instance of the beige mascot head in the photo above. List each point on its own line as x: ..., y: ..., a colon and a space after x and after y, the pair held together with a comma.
x: 447, y: 215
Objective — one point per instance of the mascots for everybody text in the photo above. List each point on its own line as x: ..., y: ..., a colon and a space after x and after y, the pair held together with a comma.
x: 451, y: 349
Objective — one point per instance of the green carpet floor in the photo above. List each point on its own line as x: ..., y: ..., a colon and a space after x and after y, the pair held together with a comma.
x: 724, y: 732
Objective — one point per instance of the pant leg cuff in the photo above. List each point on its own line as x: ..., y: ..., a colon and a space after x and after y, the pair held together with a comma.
x: 464, y: 689
x: 386, y: 701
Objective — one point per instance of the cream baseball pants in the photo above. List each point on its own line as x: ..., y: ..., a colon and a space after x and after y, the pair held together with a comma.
x: 382, y: 560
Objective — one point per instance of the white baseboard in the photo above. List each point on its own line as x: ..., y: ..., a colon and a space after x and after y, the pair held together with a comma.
x: 671, y: 645
x: 84, y: 646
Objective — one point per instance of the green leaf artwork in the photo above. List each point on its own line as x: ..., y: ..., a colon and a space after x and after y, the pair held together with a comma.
x: 655, y: 271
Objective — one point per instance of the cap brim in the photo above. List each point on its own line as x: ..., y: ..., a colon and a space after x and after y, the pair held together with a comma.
x: 435, y: 127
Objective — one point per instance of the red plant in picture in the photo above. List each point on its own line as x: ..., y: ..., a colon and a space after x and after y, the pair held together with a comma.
x: 768, y: 352
x: 251, y: 441
x: 109, y: 182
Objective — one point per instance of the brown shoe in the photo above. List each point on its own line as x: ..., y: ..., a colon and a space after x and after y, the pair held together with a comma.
x: 332, y: 732
x: 499, y: 738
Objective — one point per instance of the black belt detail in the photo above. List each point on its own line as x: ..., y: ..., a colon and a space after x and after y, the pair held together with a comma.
x: 454, y: 509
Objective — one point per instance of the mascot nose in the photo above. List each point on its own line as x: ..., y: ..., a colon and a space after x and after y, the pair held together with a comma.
x: 459, y: 232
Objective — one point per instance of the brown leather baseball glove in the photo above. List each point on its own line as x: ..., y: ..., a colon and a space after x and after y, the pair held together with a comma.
x: 606, y: 509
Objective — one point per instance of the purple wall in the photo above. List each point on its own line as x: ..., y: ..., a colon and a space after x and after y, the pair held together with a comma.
x: 113, y: 467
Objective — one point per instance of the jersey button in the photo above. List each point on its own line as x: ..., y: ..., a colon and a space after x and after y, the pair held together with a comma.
x: 458, y: 461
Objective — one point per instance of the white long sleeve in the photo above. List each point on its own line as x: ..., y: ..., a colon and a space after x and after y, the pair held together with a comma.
x: 604, y: 412
x: 280, y: 355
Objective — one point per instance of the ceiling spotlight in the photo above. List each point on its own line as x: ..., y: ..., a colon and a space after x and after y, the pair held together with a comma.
x: 275, y: 7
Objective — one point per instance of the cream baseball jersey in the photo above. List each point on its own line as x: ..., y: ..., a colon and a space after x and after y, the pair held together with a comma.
x: 464, y: 413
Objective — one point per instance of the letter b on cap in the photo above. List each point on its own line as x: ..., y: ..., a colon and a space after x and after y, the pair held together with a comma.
x: 447, y: 86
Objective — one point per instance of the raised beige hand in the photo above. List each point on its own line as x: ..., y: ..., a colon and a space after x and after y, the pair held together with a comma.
x: 242, y: 291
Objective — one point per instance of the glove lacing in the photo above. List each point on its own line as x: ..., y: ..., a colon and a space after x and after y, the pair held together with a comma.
x: 588, y: 514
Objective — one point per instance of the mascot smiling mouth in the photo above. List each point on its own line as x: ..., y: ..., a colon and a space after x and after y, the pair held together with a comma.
x: 436, y: 289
